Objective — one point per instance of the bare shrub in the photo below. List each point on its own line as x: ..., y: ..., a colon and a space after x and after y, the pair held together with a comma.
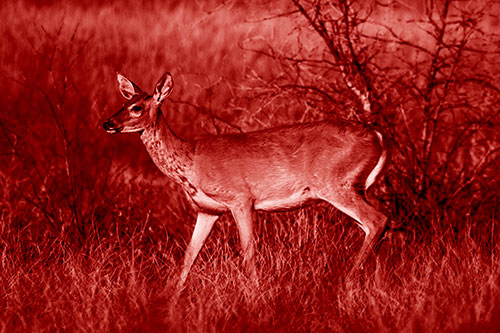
x: 428, y: 81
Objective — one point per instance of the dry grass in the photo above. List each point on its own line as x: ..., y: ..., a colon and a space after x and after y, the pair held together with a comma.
x: 91, y: 235
x: 126, y: 283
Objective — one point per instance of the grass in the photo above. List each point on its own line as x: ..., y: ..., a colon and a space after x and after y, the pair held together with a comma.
x: 92, y: 235
x: 127, y: 283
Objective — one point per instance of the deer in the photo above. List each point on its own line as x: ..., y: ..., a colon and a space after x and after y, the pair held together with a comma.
x: 274, y: 169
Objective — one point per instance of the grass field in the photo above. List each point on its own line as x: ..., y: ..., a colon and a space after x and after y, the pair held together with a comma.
x: 125, y: 283
x: 92, y: 235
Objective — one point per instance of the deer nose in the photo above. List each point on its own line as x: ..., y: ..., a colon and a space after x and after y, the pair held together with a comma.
x: 111, y: 127
x: 108, y: 125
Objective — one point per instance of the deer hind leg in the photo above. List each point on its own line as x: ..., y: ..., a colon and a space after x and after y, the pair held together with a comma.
x: 373, y: 224
x: 370, y: 220
x: 204, y: 224
x: 243, y: 215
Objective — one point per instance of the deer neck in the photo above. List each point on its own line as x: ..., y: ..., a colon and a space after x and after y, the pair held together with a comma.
x: 172, y: 155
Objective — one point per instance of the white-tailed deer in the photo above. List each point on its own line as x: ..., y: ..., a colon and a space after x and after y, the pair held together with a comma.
x: 273, y: 169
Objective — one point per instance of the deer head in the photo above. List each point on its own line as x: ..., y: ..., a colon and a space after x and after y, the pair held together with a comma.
x: 141, y: 109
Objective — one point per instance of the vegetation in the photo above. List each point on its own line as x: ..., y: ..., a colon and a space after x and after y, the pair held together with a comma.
x: 92, y: 235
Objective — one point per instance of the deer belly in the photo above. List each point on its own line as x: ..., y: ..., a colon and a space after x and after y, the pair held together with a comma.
x: 284, y: 202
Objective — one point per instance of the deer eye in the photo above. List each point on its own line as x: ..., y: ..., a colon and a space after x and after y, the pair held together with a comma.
x: 136, y: 108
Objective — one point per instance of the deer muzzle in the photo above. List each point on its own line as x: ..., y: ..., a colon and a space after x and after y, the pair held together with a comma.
x: 111, y: 127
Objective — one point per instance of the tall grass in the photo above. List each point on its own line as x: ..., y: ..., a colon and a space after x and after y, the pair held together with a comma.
x: 126, y: 282
x: 92, y: 235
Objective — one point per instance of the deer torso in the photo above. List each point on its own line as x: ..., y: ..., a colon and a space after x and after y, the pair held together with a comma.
x: 275, y: 169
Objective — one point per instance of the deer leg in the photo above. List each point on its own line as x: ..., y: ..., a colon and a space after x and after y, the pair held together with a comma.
x: 243, y: 215
x: 374, y: 226
x: 370, y: 220
x: 204, y: 223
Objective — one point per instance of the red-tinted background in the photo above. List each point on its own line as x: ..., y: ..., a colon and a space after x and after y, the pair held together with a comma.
x: 92, y: 234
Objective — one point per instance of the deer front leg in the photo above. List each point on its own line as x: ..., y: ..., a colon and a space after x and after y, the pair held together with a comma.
x: 243, y: 215
x: 204, y: 224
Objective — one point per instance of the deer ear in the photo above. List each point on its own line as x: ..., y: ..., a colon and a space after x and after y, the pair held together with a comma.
x: 163, y: 88
x: 127, y: 87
